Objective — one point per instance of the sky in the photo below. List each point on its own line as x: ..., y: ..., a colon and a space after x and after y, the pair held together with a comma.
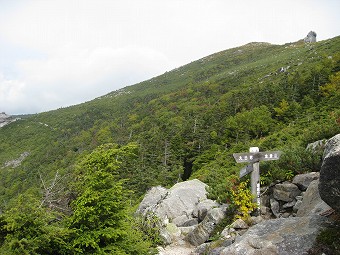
x: 57, y: 53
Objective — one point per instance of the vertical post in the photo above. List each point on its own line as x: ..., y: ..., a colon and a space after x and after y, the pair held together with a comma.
x: 255, y: 179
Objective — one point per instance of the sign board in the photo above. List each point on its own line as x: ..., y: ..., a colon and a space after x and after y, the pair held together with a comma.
x: 246, y: 170
x: 252, y: 157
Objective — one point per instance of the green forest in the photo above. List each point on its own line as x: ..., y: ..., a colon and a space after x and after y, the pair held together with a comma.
x: 86, y: 167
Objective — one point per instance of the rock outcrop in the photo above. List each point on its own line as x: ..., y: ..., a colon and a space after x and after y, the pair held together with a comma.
x: 184, y: 211
x: 304, y: 180
x: 202, y: 232
x: 310, y: 38
x: 17, y: 162
x: 5, y: 119
x: 278, y: 236
x: 286, y: 191
x: 179, y: 201
x: 312, y: 202
x: 329, y: 186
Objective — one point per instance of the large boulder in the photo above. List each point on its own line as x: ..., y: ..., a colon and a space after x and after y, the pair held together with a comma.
x: 317, y: 147
x: 303, y: 180
x: 203, y: 207
x: 182, y: 199
x: 202, y: 232
x: 310, y: 38
x: 286, y: 191
x: 151, y: 199
x: 278, y: 236
x: 176, y: 202
x: 180, y: 209
x: 312, y: 202
x: 329, y: 186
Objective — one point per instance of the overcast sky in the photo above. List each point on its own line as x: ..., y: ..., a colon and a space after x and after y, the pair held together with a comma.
x: 56, y: 53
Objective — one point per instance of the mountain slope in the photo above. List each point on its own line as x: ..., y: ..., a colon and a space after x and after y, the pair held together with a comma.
x: 188, y: 122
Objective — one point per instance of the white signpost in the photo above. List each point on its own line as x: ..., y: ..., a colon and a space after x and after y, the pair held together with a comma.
x: 254, y: 157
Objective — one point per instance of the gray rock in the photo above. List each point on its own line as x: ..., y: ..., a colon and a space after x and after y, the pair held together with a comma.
x: 286, y: 191
x: 216, y: 251
x: 17, y: 162
x: 228, y: 233
x: 310, y: 38
x: 179, y: 200
x: 289, y: 204
x: 186, y: 230
x: 279, y: 236
x: 286, y: 215
x: 180, y: 220
x: 152, y: 199
x: 299, y: 198
x: 203, y: 230
x: 203, y: 207
x: 180, y: 207
x: 329, y: 186
x: 184, y: 221
x: 275, y: 207
x: 165, y: 236
x: 5, y: 119
x: 202, y: 249
x: 317, y: 146
x: 256, y: 220
x: 182, y: 199
x: 312, y: 202
x: 266, y: 212
x: 303, y: 180
x: 239, y: 224
x: 297, y: 206
x: 190, y: 222
x: 170, y: 233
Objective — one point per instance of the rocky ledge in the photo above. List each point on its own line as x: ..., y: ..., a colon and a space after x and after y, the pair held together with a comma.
x: 5, y: 119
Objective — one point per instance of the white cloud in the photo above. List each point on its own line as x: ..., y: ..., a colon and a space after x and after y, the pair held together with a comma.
x: 12, y: 95
x: 72, y: 76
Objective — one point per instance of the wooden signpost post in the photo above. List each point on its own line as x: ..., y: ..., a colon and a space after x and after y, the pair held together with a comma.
x: 253, y: 158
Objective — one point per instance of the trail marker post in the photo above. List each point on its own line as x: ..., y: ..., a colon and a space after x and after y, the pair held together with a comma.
x: 254, y: 157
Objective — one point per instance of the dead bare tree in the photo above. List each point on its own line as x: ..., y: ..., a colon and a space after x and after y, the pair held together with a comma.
x: 54, y: 193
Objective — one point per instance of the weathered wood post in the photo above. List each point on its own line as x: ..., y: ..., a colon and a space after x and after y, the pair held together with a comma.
x: 255, y: 179
x: 254, y: 157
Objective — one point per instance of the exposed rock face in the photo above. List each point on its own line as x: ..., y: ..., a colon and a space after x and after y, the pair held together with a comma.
x: 183, y: 210
x: 17, y: 162
x: 310, y: 38
x: 303, y: 180
x: 286, y: 191
x: 278, y: 236
x: 202, y: 232
x: 5, y: 119
x: 152, y: 198
x: 329, y: 186
x: 317, y: 146
x: 181, y: 199
x: 312, y: 202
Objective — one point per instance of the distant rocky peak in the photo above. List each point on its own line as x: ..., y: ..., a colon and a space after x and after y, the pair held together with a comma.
x: 3, y: 115
x: 5, y: 119
x: 310, y: 38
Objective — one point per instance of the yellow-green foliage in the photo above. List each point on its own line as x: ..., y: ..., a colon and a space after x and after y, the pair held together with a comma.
x: 243, y: 201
